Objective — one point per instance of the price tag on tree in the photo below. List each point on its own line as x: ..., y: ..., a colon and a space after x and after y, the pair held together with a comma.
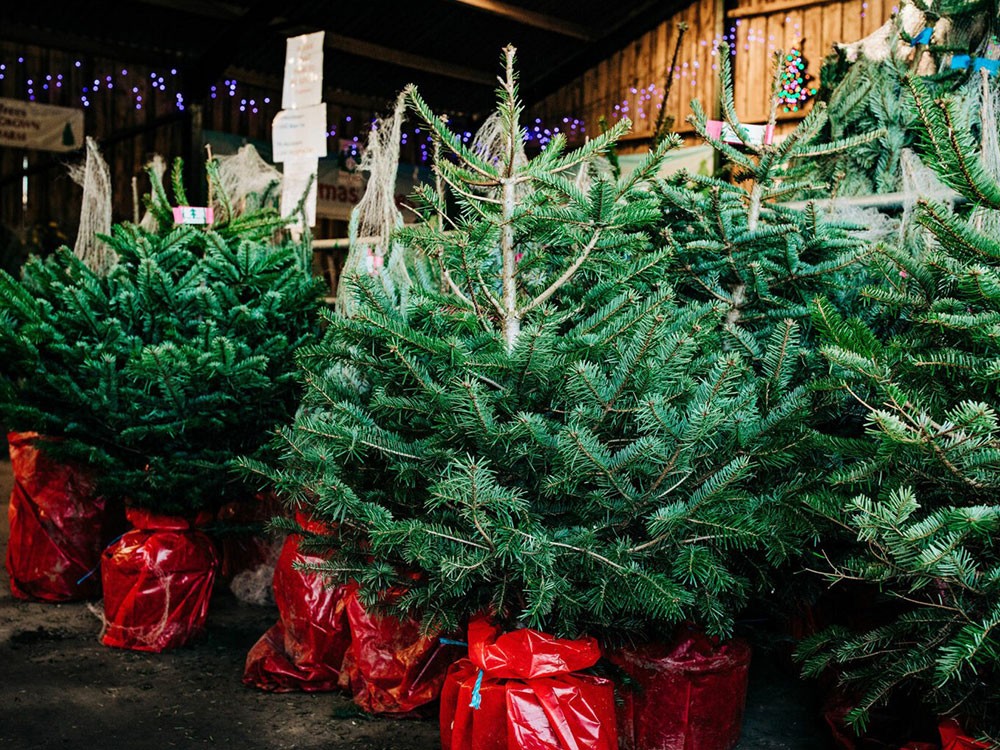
x: 193, y: 215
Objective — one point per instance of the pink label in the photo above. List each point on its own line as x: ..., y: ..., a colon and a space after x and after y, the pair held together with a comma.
x: 193, y: 215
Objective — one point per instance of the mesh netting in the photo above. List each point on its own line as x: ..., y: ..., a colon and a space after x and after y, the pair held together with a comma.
x: 256, y: 586
x: 376, y: 216
x: 919, y: 182
x: 95, y: 211
x: 249, y: 182
x: 985, y: 219
x: 158, y: 167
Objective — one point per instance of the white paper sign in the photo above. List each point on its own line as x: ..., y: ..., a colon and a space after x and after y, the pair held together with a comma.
x: 303, y: 85
x: 293, y: 185
x: 40, y: 126
x: 299, y: 134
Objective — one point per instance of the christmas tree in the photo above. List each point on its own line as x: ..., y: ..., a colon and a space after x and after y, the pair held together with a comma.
x: 918, y: 491
x: 178, y: 359
x: 735, y: 245
x: 539, y: 429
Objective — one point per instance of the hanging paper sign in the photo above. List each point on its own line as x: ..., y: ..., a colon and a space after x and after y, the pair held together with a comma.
x: 757, y: 135
x: 40, y: 126
x: 303, y: 85
x: 299, y: 134
x: 297, y: 176
x: 924, y: 37
x: 194, y: 215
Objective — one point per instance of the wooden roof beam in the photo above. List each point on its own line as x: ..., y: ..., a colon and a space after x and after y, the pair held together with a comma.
x: 531, y: 18
x: 372, y: 51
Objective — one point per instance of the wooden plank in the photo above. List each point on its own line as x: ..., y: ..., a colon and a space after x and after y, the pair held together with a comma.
x: 627, y: 83
x: 531, y: 18
x: 833, y: 25
x: 851, y: 26
x: 776, y: 7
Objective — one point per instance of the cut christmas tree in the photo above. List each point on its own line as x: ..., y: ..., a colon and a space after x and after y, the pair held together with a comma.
x: 158, y: 373
x: 735, y: 244
x: 538, y: 431
x: 920, y: 492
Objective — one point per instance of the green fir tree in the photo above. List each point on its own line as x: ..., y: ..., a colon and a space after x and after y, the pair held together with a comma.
x: 540, y: 430
x: 157, y: 374
x: 736, y: 245
x: 919, y: 491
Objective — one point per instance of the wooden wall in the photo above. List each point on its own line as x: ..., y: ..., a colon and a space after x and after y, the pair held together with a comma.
x: 129, y: 136
x: 632, y: 80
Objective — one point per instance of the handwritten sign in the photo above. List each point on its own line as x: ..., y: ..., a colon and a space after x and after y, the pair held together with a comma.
x: 40, y: 126
x: 299, y: 134
x: 303, y: 83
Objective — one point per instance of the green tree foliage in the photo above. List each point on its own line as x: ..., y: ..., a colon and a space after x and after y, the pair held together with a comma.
x: 734, y: 244
x: 541, y: 430
x: 926, y: 474
x: 180, y: 358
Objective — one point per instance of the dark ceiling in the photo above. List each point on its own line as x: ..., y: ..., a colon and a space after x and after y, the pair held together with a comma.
x: 450, y: 48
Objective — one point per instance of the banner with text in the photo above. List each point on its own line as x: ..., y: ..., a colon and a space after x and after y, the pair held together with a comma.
x: 40, y: 126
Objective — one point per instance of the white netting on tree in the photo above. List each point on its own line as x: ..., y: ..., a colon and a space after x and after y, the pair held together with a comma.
x: 985, y: 219
x: 919, y: 182
x: 376, y: 216
x: 158, y: 167
x: 249, y: 182
x: 95, y: 212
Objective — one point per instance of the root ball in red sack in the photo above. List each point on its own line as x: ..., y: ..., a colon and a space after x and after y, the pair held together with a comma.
x: 689, y: 695
x: 953, y: 737
x: 522, y: 690
x: 305, y: 650
x: 157, y: 583
x: 57, y: 527
x: 391, y: 668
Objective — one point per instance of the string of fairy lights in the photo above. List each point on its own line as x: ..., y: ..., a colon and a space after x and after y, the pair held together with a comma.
x: 641, y: 102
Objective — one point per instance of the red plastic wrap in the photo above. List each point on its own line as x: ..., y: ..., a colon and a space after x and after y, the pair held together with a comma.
x: 305, y: 649
x: 57, y: 527
x: 690, y: 695
x: 391, y: 668
x: 157, y: 583
x: 953, y: 737
x: 527, y: 694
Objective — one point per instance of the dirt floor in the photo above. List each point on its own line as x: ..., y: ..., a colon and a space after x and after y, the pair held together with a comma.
x: 60, y: 688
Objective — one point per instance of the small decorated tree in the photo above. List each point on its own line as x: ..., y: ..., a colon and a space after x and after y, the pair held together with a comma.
x: 919, y: 494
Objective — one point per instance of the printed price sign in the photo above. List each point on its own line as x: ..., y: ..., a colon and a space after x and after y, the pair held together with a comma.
x: 193, y: 215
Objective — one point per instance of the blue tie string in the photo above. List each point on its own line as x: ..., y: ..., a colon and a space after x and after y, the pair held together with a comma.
x: 477, y: 696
